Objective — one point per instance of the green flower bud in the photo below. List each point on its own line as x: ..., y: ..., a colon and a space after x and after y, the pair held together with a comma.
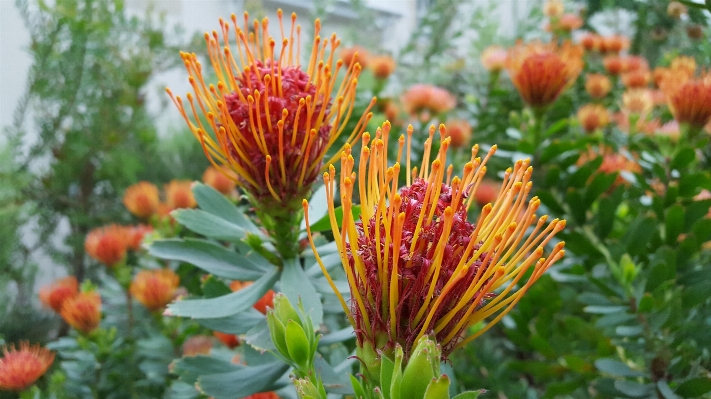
x: 370, y: 361
x: 278, y: 333
x: 421, y: 369
x: 284, y: 310
x: 438, y: 388
x: 298, y: 345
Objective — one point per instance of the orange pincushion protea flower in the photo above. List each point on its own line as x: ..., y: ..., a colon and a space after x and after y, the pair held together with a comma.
x: 136, y: 234
x: 541, y: 72
x: 566, y: 23
x: 636, y: 79
x: 217, y: 179
x: 141, y: 199
x: 460, y: 132
x: 637, y: 101
x: 107, y: 244
x: 83, y: 312
x: 382, y: 66
x: 154, y: 288
x: 614, y: 44
x: 414, y: 264
x: 179, y: 194
x: 427, y: 98
x: 591, y: 42
x: 685, y: 65
x: 597, y: 85
x: 355, y: 54
x: 53, y: 295
x: 613, y: 64
x: 593, y: 117
x: 689, y: 99
x: 19, y: 369
x: 494, y: 58
x: 273, y: 121
x: 612, y: 162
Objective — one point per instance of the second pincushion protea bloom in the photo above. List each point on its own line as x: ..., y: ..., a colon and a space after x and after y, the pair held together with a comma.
x: 141, y: 199
x: 19, y: 369
x: 272, y: 120
x: 154, y: 288
x: 83, y: 312
x: 53, y: 295
x: 107, y: 244
x: 414, y: 264
x: 541, y: 72
x: 689, y: 99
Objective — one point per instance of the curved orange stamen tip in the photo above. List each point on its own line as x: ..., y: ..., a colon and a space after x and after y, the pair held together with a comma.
x: 561, y: 224
x: 448, y: 212
x: 305, y: 203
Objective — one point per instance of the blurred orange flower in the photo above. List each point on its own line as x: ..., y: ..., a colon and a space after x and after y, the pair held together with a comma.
x: 382, y: 66
x: 593, y: 117
x: 494, y: 58
x: 141, y: 199
x: 566, y: 22
x: 230, y: 340
x: 54, y: 294
x: 637, y: 101
x: 553, y: 8
x: 689, y: 99
x: 597, y: 85
x: 612, y: 162
x: 197, y: 345
x: 348, y: 54
x: 107, y: 244
x: 613, y: 64
x: 154, y: 288
x: 541, y: 72
x: 424, y: 97
x: 83, y: 312
x: 261, y: 305
x: 614, y: 44
x: 179, y: 194
x: 20, y: 368
x: 636, y: 79
x: 222, y: 180
x: 591, y: 42
x: 460, y: 131
x: 136, y: 234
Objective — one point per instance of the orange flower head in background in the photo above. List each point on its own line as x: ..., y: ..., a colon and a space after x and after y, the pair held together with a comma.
x: 229, y: 340
x: 355, y: 54
x: 542, y: 72
x: 494, y: 58
x: 141, y: 199
x: 217, y: 179
x: 591, y: 42
x: 54, y: 294
x: 20, y: 368
x: 197, y: 345
x: 689, y: 98
x: 179, y: 194
x: 614, y: 44
x: 633, y: 63
x: 414, y: 264
x: 382, y: 66
x: 637, y: 101
x: 426, y: 98
x: 154, y: 288
x: 272, y: 120
x: 267, y: 300
x: 612, y: 162
x: 684, y: 65
x: 593, y: 117
x: 136, y: 235
x: 613, y: 64
x: 487, y: 192
x: 597, y: 85
x: 83, y: 312
x: 636, y: 79
x: 107, y: 244
x: 460, y: 132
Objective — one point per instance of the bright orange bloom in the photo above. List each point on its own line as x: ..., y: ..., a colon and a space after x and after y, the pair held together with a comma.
x: 614, y: 44
x: 261, y: 305
x: 685, y: 65
x: 217, y: 179
x: 107, y: 244
x: 633, y: 63
x: 351, y: 55
x: 414, y: 264
x: 597, y: 85
x: 154, y: 288
x: 273, y: 121
x: 230, y: 340
x: 425, y: 98
x: 613, y: 64
x: 54, y: 294
x: 19, y: 369
x: 637, y: 101
x: 593, y: 117
x: 179, y: 194
x: 636, y: 79
x: 689, y: 99
x: 382, y: 66
x: 197, y: 345
x: 263, y: 395
x: 83, y: 312
x: 659, y: 74
x: 591, y: 42
x: 541, y: 72
x: 494, y: 58
x: 136, y: 234
x: 141, y: 199
x: 460, y: 131
x: 612, y: 162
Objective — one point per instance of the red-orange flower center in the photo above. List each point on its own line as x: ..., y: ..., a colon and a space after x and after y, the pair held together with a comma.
x: 19, y: 369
